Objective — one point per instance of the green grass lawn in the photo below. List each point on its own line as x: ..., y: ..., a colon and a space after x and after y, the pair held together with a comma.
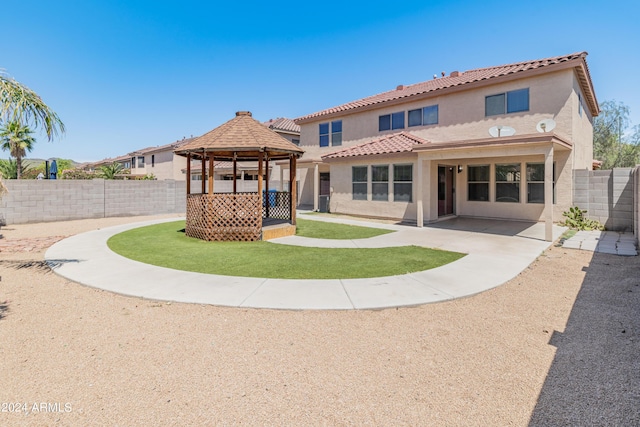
x: 166, y: 245
x: 328, y: 230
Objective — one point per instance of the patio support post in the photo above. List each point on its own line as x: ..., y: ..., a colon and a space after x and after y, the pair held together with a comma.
x: 204, y: 170
x: 419, y: 207
x: 266, y: 184
x: 281, y: 178
x: 292, y: 188
x: 188, y: 173
x: 548, y: 194
x: 316, y: 186
x: 260, y: 176
x: 211, y: 175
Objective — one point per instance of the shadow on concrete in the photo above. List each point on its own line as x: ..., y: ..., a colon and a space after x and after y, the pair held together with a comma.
x: 487, y: 226
x: 4, y: 309
x: 594, y: 379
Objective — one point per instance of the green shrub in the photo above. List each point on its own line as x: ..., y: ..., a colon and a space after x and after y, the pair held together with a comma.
x: 576, y: 219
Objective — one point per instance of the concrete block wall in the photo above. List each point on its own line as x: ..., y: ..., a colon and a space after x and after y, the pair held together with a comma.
x: 57, y: 200
x: 607, y: 195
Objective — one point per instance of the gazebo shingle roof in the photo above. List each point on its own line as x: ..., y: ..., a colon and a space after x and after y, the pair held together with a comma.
x: 243, y: 135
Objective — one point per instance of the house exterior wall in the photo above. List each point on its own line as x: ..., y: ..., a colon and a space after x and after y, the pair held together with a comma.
x: 462, y: 115
x: 166, y: 165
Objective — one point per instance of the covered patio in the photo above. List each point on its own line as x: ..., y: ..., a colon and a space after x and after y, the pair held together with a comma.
x: 240, y: 216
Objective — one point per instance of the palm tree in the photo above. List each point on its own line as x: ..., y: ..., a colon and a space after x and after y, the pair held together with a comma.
x: 110, y: 171
x: 20, y: 104
x: 16, y: 139
x: 8, y: 169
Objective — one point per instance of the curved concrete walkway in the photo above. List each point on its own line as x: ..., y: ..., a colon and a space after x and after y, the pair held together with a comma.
x: 497, y: 251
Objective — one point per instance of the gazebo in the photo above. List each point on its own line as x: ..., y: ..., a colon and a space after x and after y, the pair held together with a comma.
x: 234, y: 216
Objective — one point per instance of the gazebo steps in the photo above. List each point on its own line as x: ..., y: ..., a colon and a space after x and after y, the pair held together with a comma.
x: 278, y: 230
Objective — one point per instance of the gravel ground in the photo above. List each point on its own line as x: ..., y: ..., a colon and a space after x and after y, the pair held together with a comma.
x: 557, y: 345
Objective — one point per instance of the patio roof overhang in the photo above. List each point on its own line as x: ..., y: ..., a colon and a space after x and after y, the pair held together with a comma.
x: 484, y: 147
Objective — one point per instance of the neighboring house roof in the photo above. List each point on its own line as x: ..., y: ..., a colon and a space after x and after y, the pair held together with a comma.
x: 283, y: 124
x: 166, y: 147
x: 467, y: 80
x: 104, y: 162
x: 243, y: 135
x: 401, y: 142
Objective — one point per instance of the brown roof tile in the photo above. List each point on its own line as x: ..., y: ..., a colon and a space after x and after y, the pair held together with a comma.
x: 464, y: 78
x: 283, y: 124
x: 242, y: 134
x: 396, y: 143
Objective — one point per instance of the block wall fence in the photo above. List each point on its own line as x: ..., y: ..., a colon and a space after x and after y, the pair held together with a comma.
x: 30, y: 201
x: 610, y: 196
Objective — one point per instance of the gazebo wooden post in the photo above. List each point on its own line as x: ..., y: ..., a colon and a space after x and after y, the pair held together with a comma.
x: 260, y: 174
x: 211, y: 160
x: 188, y: 173
x: 292, y: 187
x: 235, y: 188
x: 266, y: 184
x: 204, y: 171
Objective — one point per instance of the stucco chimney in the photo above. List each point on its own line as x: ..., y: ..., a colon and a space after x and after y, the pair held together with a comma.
x: 400, y: 87
x: 456, y: 74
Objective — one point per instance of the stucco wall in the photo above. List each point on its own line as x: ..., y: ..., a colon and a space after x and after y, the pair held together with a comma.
x: 462, y: 115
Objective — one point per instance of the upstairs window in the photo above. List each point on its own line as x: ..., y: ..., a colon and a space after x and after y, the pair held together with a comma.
x: 580, y: 105
x: 333, y: 129
x: 424, y: 116
x: 141, y: 161
x: 391, y: 121
x: 336, y: 132
x: 153, y: 160
x: 324, y: 134
x: 508, y: 102
x: 295, y: 141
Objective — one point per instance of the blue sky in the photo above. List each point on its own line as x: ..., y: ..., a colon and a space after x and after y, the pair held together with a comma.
x: 129, y: 74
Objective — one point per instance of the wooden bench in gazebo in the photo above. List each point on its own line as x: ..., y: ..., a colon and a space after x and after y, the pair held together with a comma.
x: 240, y: 216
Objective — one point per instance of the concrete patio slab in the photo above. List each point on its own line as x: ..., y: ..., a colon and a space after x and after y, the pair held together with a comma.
x: 496, y: 252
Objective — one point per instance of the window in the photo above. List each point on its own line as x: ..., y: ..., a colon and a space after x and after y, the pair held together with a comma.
x: 336, y: 133
x: 478, y: 183
x: 580, y: 105
x: 508, y: 183
x: 535, y: 182
x: 402, y: 183
x: 324, y: 134
x: 424, y: 116
x: 153, y: 160
x: 380, y: 182
x: 359, y: 182
x: 295, y: 141
x: 391, y: 121
x: 140, y: 161
x: 133, y: 162
x: 509, y: 102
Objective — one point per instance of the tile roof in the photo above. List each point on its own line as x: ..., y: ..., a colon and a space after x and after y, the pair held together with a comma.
x: 166, y: 147
x: 283, y: 124
x: 401, y: 142
x: 459, y: 79
x: 243, y: 135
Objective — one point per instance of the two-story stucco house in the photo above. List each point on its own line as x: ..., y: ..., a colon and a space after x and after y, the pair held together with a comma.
x: 495, y: 142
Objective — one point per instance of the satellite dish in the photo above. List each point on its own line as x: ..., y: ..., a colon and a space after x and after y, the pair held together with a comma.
x: 546, y: 125
x: 498, y: 131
